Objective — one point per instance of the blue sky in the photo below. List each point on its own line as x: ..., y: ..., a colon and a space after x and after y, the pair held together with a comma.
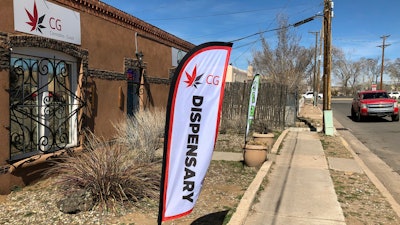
x: 357, y: 25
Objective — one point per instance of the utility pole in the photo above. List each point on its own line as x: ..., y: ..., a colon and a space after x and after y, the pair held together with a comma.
x: 319, y: 59
x: 328, y: 117
x: 328, y: 6
x: 383, y: 46
x: 315, y: 89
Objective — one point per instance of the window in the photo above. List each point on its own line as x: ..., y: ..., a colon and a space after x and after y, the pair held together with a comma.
x: 43, y: 102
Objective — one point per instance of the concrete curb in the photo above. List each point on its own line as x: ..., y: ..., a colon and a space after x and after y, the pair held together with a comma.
x: 246, y: 201
x: 278, y: 141
x: 241, y: 213
x: 378, y: 184
x: 372, y: 177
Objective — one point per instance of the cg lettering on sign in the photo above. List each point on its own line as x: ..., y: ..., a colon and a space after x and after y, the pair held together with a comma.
x: 212, y: 79
x: 55, y: 24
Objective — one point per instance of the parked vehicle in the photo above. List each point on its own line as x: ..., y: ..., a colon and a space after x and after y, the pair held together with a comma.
x: 394, y: 94
x: 374, y: 103
x: 310, y: 95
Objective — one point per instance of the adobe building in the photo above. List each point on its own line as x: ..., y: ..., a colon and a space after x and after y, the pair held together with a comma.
x: 234, y: 74
x: 67, y: 66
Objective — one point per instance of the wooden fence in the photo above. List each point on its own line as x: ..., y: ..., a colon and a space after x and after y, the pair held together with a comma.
x: 273, y: 103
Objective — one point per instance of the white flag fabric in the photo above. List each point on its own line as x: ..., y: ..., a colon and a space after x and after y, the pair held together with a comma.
x: 193, y: 116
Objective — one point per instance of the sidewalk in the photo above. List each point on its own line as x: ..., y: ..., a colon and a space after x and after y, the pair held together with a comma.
x: 300, y: 189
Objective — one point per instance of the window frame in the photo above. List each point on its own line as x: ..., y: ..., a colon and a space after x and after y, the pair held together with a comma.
x: 30, y: 53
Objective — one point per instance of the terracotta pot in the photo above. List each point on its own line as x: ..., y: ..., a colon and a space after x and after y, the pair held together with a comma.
x: 254, y: 155
x: 264, y: 139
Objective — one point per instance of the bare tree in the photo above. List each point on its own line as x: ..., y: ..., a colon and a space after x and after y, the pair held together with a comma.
x: 346, y: 71
x: 288, y: 63
x: 394, y: 71
x: 371, y: 69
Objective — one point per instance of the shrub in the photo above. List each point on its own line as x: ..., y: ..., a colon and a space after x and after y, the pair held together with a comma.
x: 234, y: 125
x: 109, y: 172
x: 141, y: 133
x: 124, y: 169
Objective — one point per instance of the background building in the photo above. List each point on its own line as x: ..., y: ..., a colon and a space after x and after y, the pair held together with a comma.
x: 234, y: 74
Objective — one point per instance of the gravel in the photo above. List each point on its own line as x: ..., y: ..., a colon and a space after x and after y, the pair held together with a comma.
x: 36, y: 204
x: 224, y: 185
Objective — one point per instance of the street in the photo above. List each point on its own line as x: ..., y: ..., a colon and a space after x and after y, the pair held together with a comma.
x: 380, y: 135
x: 375, y: 141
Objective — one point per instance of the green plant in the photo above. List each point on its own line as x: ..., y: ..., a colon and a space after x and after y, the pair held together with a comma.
x: 16, y: 188
x: 229, y: 215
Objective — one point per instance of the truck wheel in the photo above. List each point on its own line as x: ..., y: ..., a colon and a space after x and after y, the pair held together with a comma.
x: 353, y: 114
x: 359, y: 118
x: 395, y: 117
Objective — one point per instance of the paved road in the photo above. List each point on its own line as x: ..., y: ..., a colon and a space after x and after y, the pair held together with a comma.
x: 376, y: 142
x: 380, y: 135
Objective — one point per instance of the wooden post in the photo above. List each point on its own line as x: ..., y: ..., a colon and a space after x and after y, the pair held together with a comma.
x: 327, y: 54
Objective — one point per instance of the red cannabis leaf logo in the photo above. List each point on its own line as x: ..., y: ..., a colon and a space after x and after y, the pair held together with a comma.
x: 193, y: 79
x: 34, y: 21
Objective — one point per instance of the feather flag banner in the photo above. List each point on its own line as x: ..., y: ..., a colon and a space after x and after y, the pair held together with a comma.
x: 193, y: 116
x: 252, y: 102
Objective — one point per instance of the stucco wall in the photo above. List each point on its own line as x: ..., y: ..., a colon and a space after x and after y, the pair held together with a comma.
x: 5, y: 117
x: 106, y: 110
x: 6, y: 16
x: 158, y: 63
x: 108, y: 43
x: 108, y: 40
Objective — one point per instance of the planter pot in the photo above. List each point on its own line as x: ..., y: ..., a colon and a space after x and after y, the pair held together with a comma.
x: 264, y: 139
x: 254, y: 155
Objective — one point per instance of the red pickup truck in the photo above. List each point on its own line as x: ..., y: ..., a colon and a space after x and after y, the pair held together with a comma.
x: 374, y: 103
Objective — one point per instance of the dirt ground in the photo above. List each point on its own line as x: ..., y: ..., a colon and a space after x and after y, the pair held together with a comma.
x: 223, y: 188
x: 224, y: 185
x: 361, y: 201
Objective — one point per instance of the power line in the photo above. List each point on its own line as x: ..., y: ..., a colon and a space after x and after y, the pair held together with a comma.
x: 246, y: 44
x: 258, y: 39
x: 212, y: 15
x: 280, y: 28
x: 261, y: 32
x: 251, y: 45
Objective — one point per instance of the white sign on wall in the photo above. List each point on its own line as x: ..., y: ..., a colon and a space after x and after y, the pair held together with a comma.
x: 43, y: 18
x: 177, y: 56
